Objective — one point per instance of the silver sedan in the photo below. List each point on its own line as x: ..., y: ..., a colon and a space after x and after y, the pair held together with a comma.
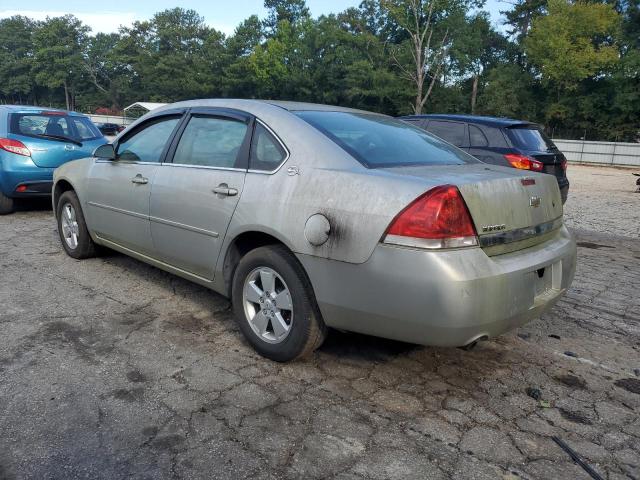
x: 311, y: 216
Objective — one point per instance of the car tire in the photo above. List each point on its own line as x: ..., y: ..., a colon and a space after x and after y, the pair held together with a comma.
x: 6, y: 204
x: 72, y: 227
x: 284, y: 323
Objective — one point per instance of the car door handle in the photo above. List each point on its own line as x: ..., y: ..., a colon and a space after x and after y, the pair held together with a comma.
x: 225, y: 190
x: 139, y: 179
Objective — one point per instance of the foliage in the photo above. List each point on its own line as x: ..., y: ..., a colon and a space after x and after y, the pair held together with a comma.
x: 573, y: 41
x: 572, y: 65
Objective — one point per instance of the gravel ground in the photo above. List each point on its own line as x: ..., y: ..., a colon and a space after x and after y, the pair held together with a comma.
x: 602, y: 200
x: 113, y: 369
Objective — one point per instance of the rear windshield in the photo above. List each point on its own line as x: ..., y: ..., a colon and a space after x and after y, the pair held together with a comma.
x: 530, y: 138
x: 377, y: 141
x: 45, y: 124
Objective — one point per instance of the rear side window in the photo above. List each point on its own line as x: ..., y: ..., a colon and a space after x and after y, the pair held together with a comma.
x: 266, y: 152
x: 452, y: 132
x: 53, y: 125
x: 530, y: 138
x: 378, y: 141
x: 477, y: 138
x: 84, y: 128
x: 495, y: 136
x: 147, y: 144
x: 211, y: 142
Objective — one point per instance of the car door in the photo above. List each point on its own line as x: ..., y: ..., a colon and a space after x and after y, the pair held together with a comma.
x: 195, y: 193
x: 119, y: 190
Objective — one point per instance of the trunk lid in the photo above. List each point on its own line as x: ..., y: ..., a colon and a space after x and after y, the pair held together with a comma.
x: 510, y: 208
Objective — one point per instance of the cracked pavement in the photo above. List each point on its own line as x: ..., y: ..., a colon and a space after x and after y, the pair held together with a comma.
x: 110, y: 368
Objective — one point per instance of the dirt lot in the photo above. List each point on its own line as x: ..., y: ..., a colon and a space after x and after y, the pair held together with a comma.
x: 113, y: 369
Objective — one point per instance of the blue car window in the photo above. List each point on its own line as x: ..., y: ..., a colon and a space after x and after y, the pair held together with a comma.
x: 85, y: 129
x: 53, y: 124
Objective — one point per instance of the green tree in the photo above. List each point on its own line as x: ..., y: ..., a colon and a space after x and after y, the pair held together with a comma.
x: 59, y: 45
x: 16, y: 58
x: 572, y: 42
x: 170, y: 56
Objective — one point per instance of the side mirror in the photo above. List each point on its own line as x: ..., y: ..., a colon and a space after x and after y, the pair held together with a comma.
x: 105, y: 151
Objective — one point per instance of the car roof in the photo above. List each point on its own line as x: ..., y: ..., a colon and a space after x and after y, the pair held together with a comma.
x: 33, y: 108
x: 244, y: 103
x: 479, y: 119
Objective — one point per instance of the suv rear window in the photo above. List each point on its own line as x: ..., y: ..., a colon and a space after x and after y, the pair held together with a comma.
x: 530, y: 138
x: 377, y: 141
x: 54, y: 124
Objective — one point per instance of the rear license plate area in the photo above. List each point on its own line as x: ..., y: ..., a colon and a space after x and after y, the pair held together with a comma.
x: 542, y: 280
x: 547, y: 279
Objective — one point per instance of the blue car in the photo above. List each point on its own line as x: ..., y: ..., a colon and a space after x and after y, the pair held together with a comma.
x: 34, y: 141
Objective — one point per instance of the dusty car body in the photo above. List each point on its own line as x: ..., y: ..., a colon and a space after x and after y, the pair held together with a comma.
x: 335, y: 215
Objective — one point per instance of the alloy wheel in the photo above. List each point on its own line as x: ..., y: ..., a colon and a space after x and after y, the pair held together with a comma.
x: 69, y: 223
x: 268, y: 306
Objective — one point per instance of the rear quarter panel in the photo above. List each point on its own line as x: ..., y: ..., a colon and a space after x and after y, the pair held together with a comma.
x: 359, y: 203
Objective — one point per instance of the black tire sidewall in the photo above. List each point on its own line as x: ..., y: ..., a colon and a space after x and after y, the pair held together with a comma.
x: 6, y: 204
x: 85, y: 246
x: 285, y: 264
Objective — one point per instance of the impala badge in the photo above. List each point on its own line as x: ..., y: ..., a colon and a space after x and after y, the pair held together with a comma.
x: 534, y: 202
x: 493, y: 228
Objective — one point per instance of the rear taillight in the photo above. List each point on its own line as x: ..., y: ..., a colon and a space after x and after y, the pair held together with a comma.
x: 14, y: 146
x: 563, y: 164
x: 437, y: 219
x: 523, y: 162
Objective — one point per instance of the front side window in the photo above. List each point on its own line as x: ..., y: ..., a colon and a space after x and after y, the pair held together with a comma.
x: 378, y: 141
x: 266, y: 152
x: 53, y: 125
x: 146, y: 145
x: 211, y: 142
x: 452, y: 132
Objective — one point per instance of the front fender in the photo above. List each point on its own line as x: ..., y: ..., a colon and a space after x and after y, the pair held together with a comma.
x: 72, y: 175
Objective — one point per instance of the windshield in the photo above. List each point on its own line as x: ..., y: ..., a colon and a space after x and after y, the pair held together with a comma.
x: 56, y: 125
x: 530, y: 138
x: 377, y: 141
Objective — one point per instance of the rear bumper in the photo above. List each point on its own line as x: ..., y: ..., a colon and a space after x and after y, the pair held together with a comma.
x: 448, y: 298
x: 17, y: 170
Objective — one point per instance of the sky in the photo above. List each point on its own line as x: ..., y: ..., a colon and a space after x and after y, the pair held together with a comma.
x: 221, y: 15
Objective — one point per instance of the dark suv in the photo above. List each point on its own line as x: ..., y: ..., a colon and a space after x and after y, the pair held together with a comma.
x: 501, y: 141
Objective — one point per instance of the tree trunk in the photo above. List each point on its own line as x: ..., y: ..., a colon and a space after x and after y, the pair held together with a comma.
x: 66, y: 94
x: 418, y: 107
x: 474, y: 94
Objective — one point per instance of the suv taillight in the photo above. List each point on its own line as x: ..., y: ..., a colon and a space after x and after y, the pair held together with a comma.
x: 14, y: 146
x: 437, y: 219
x: 523, y: 162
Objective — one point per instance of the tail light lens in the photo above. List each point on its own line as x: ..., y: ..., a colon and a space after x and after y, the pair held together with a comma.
x: 563, y: 164
x: 523, y: 162
x: 437, y: 219
x: 14, y: 146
